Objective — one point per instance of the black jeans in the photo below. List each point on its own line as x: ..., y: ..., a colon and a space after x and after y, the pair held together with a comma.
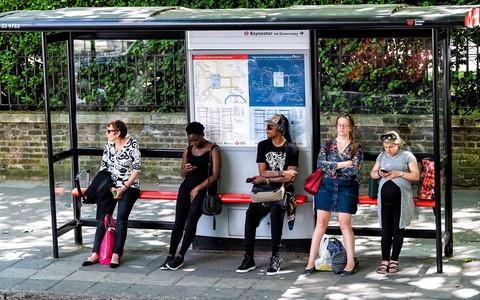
x: 255, y: 214
x: 106, y: 205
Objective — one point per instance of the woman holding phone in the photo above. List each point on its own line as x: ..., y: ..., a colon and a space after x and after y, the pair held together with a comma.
x: 396, y: 169
x: 194, y: 170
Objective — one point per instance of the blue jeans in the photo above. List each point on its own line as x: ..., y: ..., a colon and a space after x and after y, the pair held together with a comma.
x: 337, y: 195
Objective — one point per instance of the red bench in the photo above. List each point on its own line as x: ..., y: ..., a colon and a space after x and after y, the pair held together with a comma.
x: 365, y: 199
x: 240, y: 198
x: 172, y: 196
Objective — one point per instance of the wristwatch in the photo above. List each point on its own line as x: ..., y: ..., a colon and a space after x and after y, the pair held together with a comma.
x: 401, y: 174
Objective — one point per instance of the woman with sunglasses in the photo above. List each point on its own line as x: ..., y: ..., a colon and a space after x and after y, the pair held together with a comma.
x: 396, y: 168
x: 277, y: 161
x: 341, y: 160
x: 121, y: 158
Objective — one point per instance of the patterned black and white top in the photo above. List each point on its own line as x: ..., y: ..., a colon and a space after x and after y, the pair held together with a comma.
x: 121, y: 165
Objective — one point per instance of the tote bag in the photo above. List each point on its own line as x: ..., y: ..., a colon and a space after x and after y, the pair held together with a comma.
x: 106, y: 248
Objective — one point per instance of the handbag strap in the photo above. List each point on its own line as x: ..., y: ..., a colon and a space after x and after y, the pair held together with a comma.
x: 208, y: 168
x: 108, y: 221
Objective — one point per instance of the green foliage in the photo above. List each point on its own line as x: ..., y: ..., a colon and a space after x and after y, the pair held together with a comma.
x: 376, y: 75
x: 149, y: 74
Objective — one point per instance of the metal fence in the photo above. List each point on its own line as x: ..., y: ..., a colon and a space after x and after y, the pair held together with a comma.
x: 140, y: 77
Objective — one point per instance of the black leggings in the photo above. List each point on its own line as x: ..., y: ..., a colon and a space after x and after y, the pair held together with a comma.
x: 188, y: 213
x: 392, y: 235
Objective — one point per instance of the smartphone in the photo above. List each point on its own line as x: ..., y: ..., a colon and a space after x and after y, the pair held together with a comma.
x: 384, y: 171
x: 249, y: 179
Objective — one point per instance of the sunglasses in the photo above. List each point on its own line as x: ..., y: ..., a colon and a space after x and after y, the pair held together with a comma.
x: 110, y: 130
x: 388, y: 137
x: 270, y: 127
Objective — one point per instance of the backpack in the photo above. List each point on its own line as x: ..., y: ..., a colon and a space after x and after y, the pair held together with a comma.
x: 338, y: 255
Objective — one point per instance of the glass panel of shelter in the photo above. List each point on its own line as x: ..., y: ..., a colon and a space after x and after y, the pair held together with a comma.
x: 386, y: 84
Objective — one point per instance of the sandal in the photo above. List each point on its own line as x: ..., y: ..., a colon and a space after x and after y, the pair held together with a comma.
x: 382, y: 269
x: 393, y: 267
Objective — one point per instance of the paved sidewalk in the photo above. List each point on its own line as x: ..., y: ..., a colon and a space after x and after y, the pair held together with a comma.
x: 28, y: 270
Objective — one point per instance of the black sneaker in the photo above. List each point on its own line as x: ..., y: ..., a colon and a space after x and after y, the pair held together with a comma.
x: 175, y: 263
x: 274, y: 266
x: 248, y: 264
x: 167, y: 260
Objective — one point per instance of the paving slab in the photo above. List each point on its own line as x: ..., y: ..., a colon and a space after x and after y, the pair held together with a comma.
x: 28, y: 270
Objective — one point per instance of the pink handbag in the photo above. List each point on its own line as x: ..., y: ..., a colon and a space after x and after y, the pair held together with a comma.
x: 106, y: 248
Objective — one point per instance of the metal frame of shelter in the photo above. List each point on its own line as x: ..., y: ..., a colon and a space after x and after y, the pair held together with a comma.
x: 70, y: 24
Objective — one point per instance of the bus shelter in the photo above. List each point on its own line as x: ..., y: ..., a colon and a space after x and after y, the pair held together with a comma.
x: 280, y: 35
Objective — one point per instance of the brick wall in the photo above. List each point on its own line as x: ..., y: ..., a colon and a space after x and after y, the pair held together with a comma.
x: 23, y: 141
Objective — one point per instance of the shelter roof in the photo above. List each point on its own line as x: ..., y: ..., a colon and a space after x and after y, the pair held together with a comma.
x: 97, y: 19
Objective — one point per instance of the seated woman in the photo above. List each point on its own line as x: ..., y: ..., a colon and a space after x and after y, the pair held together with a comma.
x: 121, y: 157
x: 192, y: 191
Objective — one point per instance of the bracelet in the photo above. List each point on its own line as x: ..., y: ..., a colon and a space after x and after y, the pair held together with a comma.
x: 279, y: 173
x: 125, y: 186
x: 267, y: 180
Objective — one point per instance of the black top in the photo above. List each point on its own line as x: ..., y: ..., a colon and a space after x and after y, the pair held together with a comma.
x: 200, y: 173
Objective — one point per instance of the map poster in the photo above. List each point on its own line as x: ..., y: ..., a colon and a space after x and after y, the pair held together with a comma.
x: 276, y: 80
x: 234, y: 94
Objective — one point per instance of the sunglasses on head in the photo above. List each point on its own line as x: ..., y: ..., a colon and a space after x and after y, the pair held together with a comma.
x: 388, y: 137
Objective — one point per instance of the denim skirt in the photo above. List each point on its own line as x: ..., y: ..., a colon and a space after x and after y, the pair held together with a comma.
x: 337, y: 195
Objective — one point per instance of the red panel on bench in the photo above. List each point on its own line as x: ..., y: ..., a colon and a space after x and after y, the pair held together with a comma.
x: 157, y: 195
x: 75, y: 192
x: 365, y: 199
x: 172, y: 196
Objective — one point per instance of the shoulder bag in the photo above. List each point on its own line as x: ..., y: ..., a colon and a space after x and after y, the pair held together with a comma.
x: 313, y: 182
x: 212, y: 204
x: 106, y: 248
x: 267, y: 192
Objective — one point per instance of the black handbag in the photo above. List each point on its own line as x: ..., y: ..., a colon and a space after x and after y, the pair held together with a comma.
x: 212, y: 204
x: 100, y: 185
